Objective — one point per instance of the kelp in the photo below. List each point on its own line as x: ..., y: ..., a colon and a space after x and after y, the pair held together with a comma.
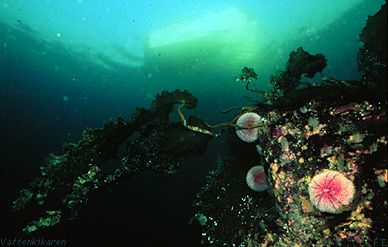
x: 150, y: 139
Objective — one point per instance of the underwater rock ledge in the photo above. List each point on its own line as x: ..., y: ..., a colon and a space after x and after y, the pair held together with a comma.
x: 150, y: 139
x: 295, y: 146
x: 335, y: 131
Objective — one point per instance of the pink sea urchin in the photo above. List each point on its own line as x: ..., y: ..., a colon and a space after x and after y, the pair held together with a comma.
x: 330, y: 191
x: 247, y: 120
x: 256, y: 179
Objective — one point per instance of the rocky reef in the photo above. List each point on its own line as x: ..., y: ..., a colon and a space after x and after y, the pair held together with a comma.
x: 372, y: 57
x: 149, y: 140
x: 333, y: 132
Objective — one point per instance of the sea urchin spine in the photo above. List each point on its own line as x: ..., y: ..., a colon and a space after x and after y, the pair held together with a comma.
x: 330, y: 191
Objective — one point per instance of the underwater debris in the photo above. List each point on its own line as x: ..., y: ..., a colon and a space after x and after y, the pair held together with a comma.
x: 67, y: 180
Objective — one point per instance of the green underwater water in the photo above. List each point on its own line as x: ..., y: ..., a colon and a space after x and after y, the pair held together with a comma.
x: 112, y: 46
